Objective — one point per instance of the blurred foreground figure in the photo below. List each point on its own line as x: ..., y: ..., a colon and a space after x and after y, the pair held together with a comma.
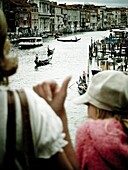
x: 32, y: 135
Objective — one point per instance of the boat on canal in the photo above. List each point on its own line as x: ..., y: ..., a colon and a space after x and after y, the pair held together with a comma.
x: 96, y: 70
x: 46, y: 61
x: 82, y: 88
x: 42, y: 62
x: 68, y: 40
x: 119, y: 33
x: 30, y: 42
x: 82, y: 84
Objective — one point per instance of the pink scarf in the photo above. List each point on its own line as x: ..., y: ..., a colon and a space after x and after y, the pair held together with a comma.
x: 102, y: 146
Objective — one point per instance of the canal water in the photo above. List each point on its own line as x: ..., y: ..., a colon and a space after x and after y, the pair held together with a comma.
x: 69, y: 58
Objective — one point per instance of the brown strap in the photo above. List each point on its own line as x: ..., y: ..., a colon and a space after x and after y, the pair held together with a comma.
x: 27, y: 134
x: 9, y: 160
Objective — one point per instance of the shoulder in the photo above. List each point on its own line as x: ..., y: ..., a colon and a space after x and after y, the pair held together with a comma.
x: 99, y: 126
x: 46, y: 126
x: 100, y: 131
x: 39, y: 108
x: 35, y: 102
x: 95, y: 129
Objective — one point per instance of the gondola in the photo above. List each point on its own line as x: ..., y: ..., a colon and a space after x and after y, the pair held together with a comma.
x: 68, y: 40
x: 42, y: 62
x: 82, y: 84
x: 82, y: 88
x: 45, y: 61
x: 96, y: 70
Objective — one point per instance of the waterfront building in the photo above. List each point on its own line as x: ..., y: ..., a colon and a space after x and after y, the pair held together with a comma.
x: 124, y: 16
x: 73, y: 15
x: 23, y: 20
x: 101, y: 18
x: 93, y: 19
x: 42, y: 16
x: 57, y: 17
x: 117, y: 17
x: 84, y: 20
x: 113, y: 17
x: 34, y: 19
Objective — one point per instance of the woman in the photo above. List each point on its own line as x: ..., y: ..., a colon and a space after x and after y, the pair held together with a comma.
x: 102, y: 141
x: 48, y: 139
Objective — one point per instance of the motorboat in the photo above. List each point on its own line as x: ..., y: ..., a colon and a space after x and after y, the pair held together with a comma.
x: 30, y: 42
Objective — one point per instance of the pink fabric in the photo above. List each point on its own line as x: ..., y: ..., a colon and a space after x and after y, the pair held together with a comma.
x: 102, y: 146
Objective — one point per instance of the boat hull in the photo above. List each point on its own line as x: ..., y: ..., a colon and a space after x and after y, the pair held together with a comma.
x: 43, y: 62
x: 68, y: 40
x: 25, y: 46
x: 95, y: 72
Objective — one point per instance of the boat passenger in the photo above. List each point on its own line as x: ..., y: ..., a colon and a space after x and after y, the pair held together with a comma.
x: 36, y: 59
x: 80, y: 79
x: 84, y: 77
x: 50, y: 52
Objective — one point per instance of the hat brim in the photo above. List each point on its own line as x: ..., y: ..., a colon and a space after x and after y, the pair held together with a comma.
x: 83, y: 99
x: 86, y: 99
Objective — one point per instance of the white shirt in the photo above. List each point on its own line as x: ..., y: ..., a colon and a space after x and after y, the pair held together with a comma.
x: 47, y: 128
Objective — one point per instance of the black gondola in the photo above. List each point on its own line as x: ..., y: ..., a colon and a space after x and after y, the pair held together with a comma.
x: 69, y: 40
x: 46, y: 61
x: 82, y: 84
x: 82, y: 88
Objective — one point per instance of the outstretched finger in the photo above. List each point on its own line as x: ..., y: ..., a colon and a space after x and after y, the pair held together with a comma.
x: 65, y: 84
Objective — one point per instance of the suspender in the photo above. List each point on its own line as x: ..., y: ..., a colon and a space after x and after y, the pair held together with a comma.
x: 11, y: 133
x: 27, y: 134
x: 9, y: 161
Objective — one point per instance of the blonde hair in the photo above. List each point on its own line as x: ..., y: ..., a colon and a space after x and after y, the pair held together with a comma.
x: 8, y: 65
x: 120, y: 116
